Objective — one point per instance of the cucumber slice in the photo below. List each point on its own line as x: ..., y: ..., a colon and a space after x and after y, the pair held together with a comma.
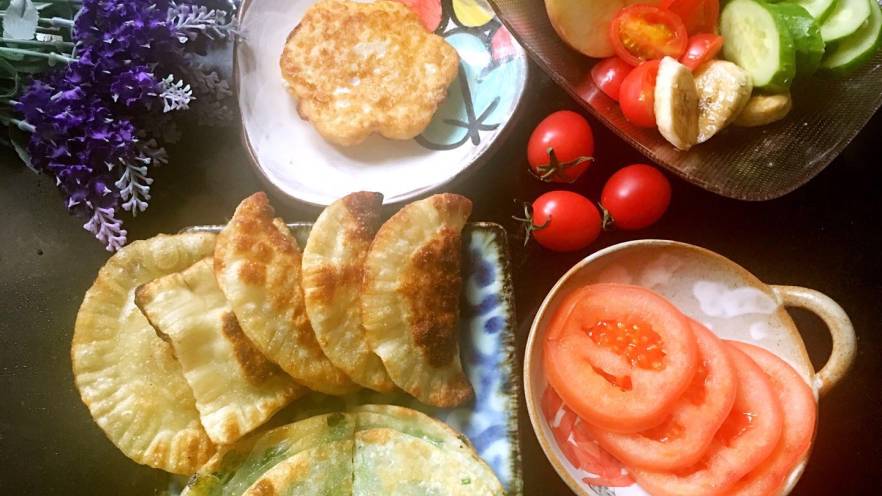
x: 759, y: 42
x: 852, y: 52
x: 846, y: 18
x: 819, y: 9
x: 806, y: 36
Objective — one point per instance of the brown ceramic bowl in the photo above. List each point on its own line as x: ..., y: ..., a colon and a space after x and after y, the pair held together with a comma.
x: 743, y: 163
x: 708, y: 287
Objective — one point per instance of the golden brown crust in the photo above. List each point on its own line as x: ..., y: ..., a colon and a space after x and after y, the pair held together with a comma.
x: 256, y: 367
x: 258, y: 266
x: 431, y: 287
x: 410, y: 299
x: 356, y: 68
x: 263, y: 487
x: 130, y: 380
x: 364, y: 208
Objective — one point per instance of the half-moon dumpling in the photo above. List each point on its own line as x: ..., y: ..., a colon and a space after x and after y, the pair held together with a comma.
x: 126, y: 374
x: 332, y: 267
x: 257, y: 265
x: 235, y: 387
x: 410, y: 299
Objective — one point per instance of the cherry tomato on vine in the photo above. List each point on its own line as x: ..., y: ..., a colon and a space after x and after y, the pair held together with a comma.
x: 644, y: 32
x: 637, y: 94
x: 702, y: 47
x: 563, y: 221
x: 608, y: 75
x: 636, y: 196
x: 561, y: 147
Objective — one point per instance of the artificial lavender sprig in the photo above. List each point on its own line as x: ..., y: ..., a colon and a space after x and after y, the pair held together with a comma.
x: 94, y: 123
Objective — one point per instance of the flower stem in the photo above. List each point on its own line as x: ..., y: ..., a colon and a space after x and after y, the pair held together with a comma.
x: 52, y: 21
x: 23, y: 125
x: 35, y: 43
x: 53, y: 57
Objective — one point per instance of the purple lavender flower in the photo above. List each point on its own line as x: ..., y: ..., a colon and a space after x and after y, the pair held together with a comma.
x: 90, y: 117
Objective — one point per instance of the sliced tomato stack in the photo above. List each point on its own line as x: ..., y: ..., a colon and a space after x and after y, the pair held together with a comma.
x: 633, y: 378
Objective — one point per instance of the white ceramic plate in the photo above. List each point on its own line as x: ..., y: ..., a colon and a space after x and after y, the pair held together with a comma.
x: 299, y: 164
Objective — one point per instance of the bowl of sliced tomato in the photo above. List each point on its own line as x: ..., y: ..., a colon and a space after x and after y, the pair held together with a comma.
x: 661, y: 368
x: 746, y: 98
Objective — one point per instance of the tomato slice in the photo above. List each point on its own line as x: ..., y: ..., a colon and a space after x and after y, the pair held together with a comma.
x: 619, y: 356
x: 698, y: 414
x: 608, y: 75
x: 637, y: 94
x: 698, y: 16
x: 799, y: 425
x: 644, y: 32
x: 578, y: 447
x: 702, y: 47
x: 746, y: 439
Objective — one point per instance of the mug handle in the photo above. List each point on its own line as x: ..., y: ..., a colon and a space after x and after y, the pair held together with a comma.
x: 841, y: 329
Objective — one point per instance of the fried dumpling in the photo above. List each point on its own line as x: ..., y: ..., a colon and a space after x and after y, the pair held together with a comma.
x: 235, y: 387
x: 127, y: 376
x: 257, y: 265
x: 410, y: 299
x: 240, y: 466
x: 332, y: 267
x: 397, y: 449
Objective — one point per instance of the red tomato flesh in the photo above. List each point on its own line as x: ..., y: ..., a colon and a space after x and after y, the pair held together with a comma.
x: 799, y: 425
x: 698, y: 16
x: 608, y: 75
x: 577, y: 445
x: 619, y: 356
x: 644, y: 32
x: 637, y: 94
x: 702, y: 48
x: 744, y: 441
x: 684, y: 437
x: 561, y: 147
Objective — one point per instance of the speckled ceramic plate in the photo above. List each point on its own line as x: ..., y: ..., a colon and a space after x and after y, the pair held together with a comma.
x: 487, y: 343
x: 299, y: 165
x: 725, y: 297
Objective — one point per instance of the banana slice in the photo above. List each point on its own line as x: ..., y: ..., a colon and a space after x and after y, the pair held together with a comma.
x: 676, y: 104
x: 723, y: 91
x: 764, y: 109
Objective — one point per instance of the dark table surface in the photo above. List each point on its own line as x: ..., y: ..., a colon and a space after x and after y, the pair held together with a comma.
x: 825, y: 236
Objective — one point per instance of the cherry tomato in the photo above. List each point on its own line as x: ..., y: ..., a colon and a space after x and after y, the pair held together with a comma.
x: 637, y: 94
x: 645, y: 32
x: 561, y: 147
x: 636, y: 196
x: 699, y: 16
x: 564, y: 221
x: 702, y: 47
x: 608, y: 75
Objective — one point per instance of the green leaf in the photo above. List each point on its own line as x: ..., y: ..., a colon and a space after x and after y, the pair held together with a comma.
x: 19, y: 140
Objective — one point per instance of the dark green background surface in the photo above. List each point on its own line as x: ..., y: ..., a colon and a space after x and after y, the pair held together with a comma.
x: 825, y: 236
